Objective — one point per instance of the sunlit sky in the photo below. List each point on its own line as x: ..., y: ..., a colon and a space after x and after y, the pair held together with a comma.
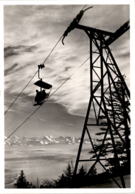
x: 30, y: 34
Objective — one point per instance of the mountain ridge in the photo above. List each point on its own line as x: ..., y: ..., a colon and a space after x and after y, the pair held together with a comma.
x: 45, y: 140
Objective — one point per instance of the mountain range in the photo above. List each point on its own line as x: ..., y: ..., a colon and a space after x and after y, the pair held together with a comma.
x: 45, y: 140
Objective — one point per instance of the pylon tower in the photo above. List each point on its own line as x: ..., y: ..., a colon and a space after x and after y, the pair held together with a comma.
x: 109, y: 101
x: 108, y: 106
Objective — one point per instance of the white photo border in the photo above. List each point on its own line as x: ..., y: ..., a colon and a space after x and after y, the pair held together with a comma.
x: 131, y: 3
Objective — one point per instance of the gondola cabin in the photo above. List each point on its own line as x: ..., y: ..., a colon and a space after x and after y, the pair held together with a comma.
x: 43, y: 93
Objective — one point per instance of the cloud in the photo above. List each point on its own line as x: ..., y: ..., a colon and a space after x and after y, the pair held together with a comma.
x: 34, y: 30
x: 16, y: 50
x: 10, y: 69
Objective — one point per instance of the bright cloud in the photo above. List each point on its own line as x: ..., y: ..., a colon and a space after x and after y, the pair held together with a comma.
x: 32, y: 31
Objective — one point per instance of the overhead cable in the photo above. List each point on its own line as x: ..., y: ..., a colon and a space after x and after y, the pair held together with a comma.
x: 29, y: 116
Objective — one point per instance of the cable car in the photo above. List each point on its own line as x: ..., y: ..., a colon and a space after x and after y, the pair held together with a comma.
x: 44, y: 91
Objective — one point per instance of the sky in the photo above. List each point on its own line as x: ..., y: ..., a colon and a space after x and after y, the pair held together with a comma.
x: 30, y: 32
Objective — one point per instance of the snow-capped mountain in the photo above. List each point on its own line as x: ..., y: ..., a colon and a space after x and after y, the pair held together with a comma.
x: 45, y: 140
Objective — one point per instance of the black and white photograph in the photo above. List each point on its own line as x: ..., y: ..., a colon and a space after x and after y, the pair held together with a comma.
x: 67, y: 96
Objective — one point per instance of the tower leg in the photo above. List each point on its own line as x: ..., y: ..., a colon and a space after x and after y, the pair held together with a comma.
x: 82, y: 137
x: 107, y: 105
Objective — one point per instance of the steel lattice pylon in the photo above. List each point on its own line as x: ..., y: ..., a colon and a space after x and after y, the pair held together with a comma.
x: 109, y: 101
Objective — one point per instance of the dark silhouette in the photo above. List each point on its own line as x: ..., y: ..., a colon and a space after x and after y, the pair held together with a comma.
x: 40, y: 96
x: 123, y: 150
x: 22, y: 181
x: 74, y: 23
x: 83, y: 179
x: 109, y: 99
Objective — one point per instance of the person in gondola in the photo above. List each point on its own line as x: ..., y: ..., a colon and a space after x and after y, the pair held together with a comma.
x: 37, y: 97
x: 40, y: 96
x: 44, y: 95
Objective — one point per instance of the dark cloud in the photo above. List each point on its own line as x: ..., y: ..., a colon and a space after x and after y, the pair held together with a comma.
x: 42, y: 26
x: 67, y: 68
x: 16, y: 50
x: 15, y: 68
x: 10, y: 69
x: 124, y: 55
x: 71, y: 58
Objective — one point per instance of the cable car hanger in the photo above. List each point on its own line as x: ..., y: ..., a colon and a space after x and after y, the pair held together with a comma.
x: 41, y: 94
x: 41, y: 66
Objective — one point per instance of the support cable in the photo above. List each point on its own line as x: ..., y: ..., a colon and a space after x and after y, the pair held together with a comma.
x: 29, y: 116
x: 22, y: 123
x: 68, y: 78
x: 52, y: 50
x: 31, y: 80
x: 12, y: 103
